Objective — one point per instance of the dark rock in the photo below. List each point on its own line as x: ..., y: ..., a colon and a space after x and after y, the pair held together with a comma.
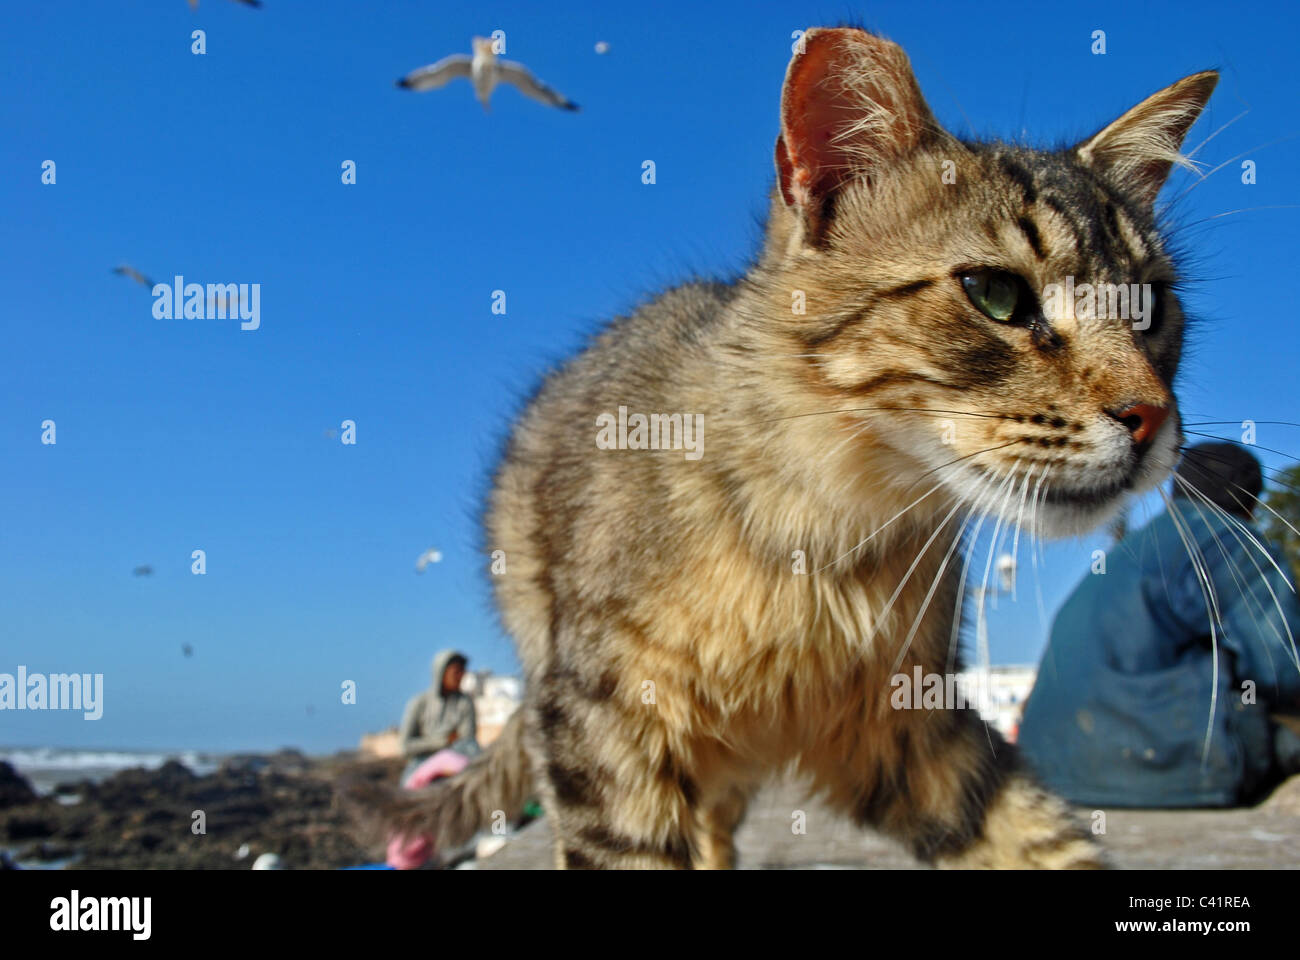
x: 46, y: 852
x: 144, y: 819
x: 14, y: 790
x: 244, y: 764
x: 19, y: 827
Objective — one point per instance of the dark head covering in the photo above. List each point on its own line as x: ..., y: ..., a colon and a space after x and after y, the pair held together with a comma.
x: 1227, y: 474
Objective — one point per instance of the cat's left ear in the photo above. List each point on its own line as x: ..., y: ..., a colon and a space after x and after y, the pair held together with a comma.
x: 1138, y: 150
x: 849, y: 106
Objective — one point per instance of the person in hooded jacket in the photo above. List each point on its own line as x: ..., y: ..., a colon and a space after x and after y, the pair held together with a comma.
x: 1173, y: 680
x: 440, y: 718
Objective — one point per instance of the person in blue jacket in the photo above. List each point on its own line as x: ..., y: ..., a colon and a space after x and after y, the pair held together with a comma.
x: 1121, y: 708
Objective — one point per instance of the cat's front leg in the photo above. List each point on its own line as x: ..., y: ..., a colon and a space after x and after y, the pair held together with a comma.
x: 952, y: 790
x: 1025, y: 827
x: 613, y: 792
x: 716, y: 820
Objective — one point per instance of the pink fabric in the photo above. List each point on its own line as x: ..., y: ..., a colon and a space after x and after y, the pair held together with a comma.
x: 444, y: 763
x: 408, y: 854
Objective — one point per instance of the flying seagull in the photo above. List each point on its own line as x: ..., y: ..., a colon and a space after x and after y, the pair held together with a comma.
x: 194, y: 4
x: 426, y: 558
x: 223, y: 301
x: 133, y: 274
x: 144, y: 570
x: 484, y: 71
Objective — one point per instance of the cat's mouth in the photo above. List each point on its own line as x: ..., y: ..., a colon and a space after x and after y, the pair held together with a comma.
x: 1072, y: 501
x: 1066, y: 510
x: 1092, y: 497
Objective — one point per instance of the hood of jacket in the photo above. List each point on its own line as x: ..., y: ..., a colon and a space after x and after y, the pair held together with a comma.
x: 439, y: 666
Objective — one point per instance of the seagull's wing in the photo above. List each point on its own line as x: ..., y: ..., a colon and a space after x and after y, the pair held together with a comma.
x: 518, y: 76
x: 134, y: 274
x: 250, y: 3
x: 438, y: 74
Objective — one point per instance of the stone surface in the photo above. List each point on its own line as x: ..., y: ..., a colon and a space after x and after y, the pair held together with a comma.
x: 1262, y: 837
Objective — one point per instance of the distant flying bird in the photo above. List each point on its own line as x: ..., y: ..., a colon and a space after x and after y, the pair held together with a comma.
x: 131, y: 273
x: 224, y: 301
x: 602, y: 46
x: 144, y: 570
x: 194, y: 4
x: 187, y: 650
x: 426, y: 558
x: 484, y: 71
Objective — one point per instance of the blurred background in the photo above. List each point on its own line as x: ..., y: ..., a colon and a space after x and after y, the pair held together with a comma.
x: 178, y: 435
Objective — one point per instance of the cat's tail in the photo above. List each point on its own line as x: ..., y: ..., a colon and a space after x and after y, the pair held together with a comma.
x: 493, y: 787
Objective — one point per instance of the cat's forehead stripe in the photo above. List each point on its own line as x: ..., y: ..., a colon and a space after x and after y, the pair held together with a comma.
x: 1130, y: 236
x: 1057, y: 206
x: 1022, y: 176
x: 1109, y: 236
x: 1030, y: 230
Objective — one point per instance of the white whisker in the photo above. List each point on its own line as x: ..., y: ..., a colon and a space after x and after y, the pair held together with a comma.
x: 988, y: 566
x: 1231, y: 160
x: 1212, y: 609
x: 961, y: 593
x: 1191, y: 153
x: 1295, y: 656
x: 1250, y: 533
x: 878, y: 529
x: 889, y: 604
x: 934, y: 583
x: 1020, y: 513
x: 1036, y: 548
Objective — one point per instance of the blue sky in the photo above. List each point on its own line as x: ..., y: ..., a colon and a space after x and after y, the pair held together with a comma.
x: 175, y: 435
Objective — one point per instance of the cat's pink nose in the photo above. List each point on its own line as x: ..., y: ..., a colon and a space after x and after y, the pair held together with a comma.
x: 1143, y: 421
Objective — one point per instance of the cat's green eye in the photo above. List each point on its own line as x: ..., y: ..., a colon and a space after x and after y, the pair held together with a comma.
x: 995, y: 293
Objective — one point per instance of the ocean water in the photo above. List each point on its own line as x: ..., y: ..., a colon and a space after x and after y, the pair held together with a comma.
x: 47, y: 767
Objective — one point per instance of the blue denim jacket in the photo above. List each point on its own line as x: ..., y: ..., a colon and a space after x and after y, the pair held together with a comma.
x: 1122, y: 705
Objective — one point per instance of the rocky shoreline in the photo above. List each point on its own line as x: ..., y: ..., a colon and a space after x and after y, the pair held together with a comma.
x: 281, y: 803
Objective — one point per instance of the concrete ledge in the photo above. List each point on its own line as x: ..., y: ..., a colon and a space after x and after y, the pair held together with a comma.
x: 1262, y: 837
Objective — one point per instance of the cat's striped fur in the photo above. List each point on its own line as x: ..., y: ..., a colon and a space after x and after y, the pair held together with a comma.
x: 674, y: 656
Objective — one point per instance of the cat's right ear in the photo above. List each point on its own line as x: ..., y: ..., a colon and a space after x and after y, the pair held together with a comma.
x: 1140, y: 148
x: 849, y: 104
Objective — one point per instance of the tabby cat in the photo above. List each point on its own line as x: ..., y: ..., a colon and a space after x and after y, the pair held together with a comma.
x: 887, y: 370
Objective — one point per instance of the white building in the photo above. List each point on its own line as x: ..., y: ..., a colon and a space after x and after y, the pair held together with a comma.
x: 495, y: 696
x: 1001, y: 694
